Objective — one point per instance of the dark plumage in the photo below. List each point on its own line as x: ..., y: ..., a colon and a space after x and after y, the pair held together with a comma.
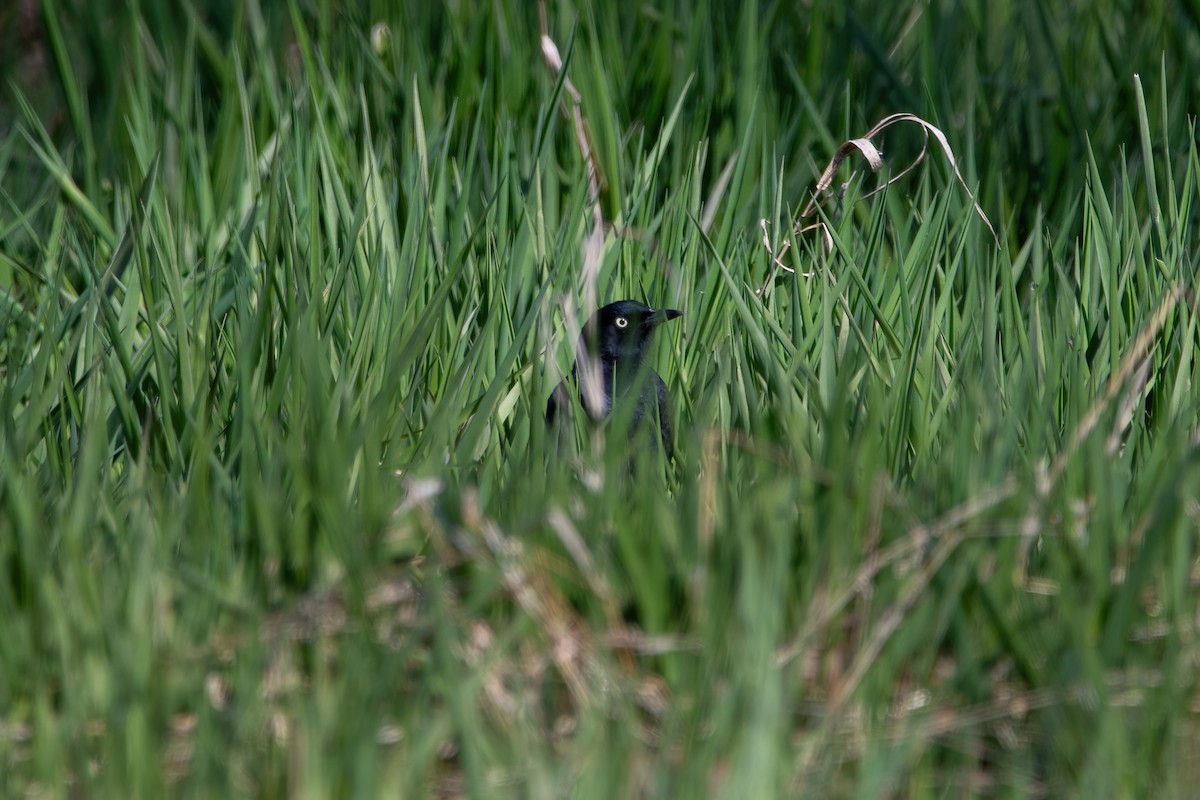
x: 608, y: 368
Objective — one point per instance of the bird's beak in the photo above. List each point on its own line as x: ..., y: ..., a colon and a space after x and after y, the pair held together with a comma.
x: 661, y: 315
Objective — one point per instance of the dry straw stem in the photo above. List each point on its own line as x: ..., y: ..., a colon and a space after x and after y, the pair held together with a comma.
x: 620, y: 636
x: 1135, y: 363
x: 934, y: 544
x: 1126, y: 688
x: 570, y: 653
x: 914, y: 718
x: 593, y: 245
x: 948, y: 531
x: 573, y: 644
x: 574, y: 114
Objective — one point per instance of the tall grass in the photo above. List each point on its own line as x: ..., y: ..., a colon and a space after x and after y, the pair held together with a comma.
x: 284, y: 294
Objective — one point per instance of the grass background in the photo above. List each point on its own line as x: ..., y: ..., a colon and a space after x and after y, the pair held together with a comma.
x: 284, y: 293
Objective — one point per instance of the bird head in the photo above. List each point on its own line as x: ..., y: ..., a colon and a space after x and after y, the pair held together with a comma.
x: 620, y: 331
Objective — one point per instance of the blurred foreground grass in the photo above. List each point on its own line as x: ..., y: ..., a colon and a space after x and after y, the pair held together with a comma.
x: 284, y: 290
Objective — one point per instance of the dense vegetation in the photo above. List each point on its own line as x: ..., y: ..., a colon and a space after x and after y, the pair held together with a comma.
x: 285, y: 287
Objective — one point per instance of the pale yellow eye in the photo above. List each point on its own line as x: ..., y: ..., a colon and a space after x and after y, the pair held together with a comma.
x: 622, y: 322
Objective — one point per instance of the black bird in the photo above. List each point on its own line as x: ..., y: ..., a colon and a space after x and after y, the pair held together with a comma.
x: 608, y: 367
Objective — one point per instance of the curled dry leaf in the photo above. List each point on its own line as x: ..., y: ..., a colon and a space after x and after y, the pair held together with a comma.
x: 873, y: 155
x: 874, y: 159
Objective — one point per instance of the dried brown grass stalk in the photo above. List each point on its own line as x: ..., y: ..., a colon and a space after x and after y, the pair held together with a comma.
x: 1133, y: 370
x: 572, y: 111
